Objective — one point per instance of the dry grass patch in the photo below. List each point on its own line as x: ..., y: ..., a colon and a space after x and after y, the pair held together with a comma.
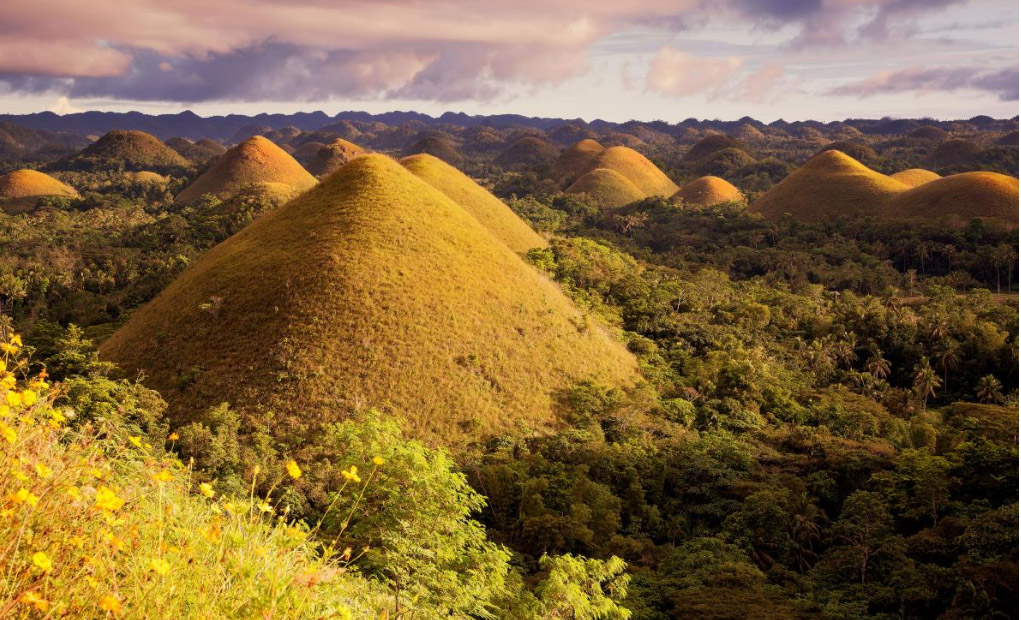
x: 607, y: 188
x: 575, y: 160
x: 961, y: 197
x: 913, y: 177
x: 708, y: 191
x: 636, y: 168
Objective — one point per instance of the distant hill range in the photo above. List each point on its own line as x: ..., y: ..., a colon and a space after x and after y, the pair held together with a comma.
x: 190, y: 125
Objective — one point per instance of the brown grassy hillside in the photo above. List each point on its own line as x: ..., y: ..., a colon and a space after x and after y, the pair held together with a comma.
x: 711, y: 144
x: 372, y: 289
x: 489, y: 210
x: 527, y: 151
x: 608, y: 188
x: 913, y: 177
x: 256, y: 160
x: 574, y: 160
x: 130, y: 150
x: 437, y: 147
x: 30, y: 184
x: 708, y: 191
x: 961, y: 197
x: 331, y: 157
x: 829, y: 185
x: 637, y: 168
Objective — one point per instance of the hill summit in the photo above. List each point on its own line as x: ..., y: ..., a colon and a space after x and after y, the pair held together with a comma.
x: 961, y: 197
x: 635, y: 167
x: 830, y: 185
x: 708, y: 191
x: 331, y: 157
x: 372, y: 289
x: 128, y: 150
x: 489, y: 210
x: 607, y: 188
x: 257, y: 160
x: 32, y: 184
x: 574, y: 161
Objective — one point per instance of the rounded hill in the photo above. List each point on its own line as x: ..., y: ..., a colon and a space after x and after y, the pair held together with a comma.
x: 23, y: 186
x: 199, y: 152
x: 527, y: 151
x: 955, y: 152
x: 372, y: 290
x: 437, y: 147
x: 913, y: 177
x: 331, y: 157
x: 830, y: 185
x: 574, y: 160
x: 861, y: 152
x: 256, y: 160
x: 127, y: 150
x: 607, y: 188
x: 489, y: 210
x: 708, y: 191
x: 711, y: 144
x: 636, y: 168
x: 961, y: 197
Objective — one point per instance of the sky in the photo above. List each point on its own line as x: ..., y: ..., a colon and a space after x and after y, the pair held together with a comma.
x: 611, y: 59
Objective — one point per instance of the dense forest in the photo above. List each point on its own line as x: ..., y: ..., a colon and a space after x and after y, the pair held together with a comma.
x: 826, y: 426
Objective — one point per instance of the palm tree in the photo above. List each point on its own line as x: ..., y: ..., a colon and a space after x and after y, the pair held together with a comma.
x: 877, y: 365
x: 947, y: 356
x: 989, y: 390
x: 926, y: 381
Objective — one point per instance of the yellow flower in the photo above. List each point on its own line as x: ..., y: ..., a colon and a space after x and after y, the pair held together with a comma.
x: 9, y: 348
x: 107, y: 500
x: 207, y: 489
x: 24, y: 496
x: 115, y: 542
x: 43, y: 470
x: 293, y: 470
x: 8, y: 433
x: 29, y: 397
x: 351, y: 474
x: 173, y: 437
x: 265, y: 507
x: 74, y: 492
x: 5, y: 411
x: 43, y: 561
x: 377, y: 461
x: 159, y: 566
x: 33, y: 599
x: 110, y: 603
x: 163, y: 476
x: 15, y: 340
x: 136, y: 441
x: 14, y: 399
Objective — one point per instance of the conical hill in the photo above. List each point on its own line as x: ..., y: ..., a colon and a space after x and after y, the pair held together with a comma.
x: 331, y: 157
x: 636, y: 168
x: 830, y: 185
x: 256, y: 160
x: 607, y: 188
x: 372, y: 289
x: 708, y: 191
x: 489, y: 210
x: 960, y: 197
x: 32, y: 184
x: 913, y: 177
x: 127, y: 150
x: 573, y: 162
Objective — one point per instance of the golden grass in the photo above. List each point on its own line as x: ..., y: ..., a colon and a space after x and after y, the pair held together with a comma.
x: 331, y: 157
x: 573, y: 162
x: 256, y: 160
x: 373, y: 288
x: 830, y: 185
x: 31, y: 184
x: 489, y: 210
x: 637, y: 168
x: 608, y: 188
x: 960, y: 197
x: 708, y: 191
x: 131, y: 149
x: 913, y: 177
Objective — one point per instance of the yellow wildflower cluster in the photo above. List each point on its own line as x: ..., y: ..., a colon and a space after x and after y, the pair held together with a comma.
x: 98, y: 523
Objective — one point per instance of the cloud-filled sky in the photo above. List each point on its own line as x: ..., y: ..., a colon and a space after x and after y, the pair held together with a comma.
x: 611, y: 59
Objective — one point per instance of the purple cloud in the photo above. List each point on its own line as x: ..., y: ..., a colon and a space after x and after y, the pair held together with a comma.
x: 1003, y: 82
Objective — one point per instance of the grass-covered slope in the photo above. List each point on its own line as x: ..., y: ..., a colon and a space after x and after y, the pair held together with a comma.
x: 913, y: 177
x: 130, y: 150
x: 256, y: 160
x: 373, y: 288
x: 608, y: 188
x: 637, y: 168
x: 961, y: 197
x: 489, y: 210
x: 331, y: 157
x: 31, y: 184
x: 830, y: 185
x: 708, y: 191
x: 575, y: 160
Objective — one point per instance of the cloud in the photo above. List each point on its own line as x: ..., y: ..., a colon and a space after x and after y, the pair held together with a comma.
x: 762, y: 84
x: 1003, y: 82
x: 443, y: 50
x: 677, y: 73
